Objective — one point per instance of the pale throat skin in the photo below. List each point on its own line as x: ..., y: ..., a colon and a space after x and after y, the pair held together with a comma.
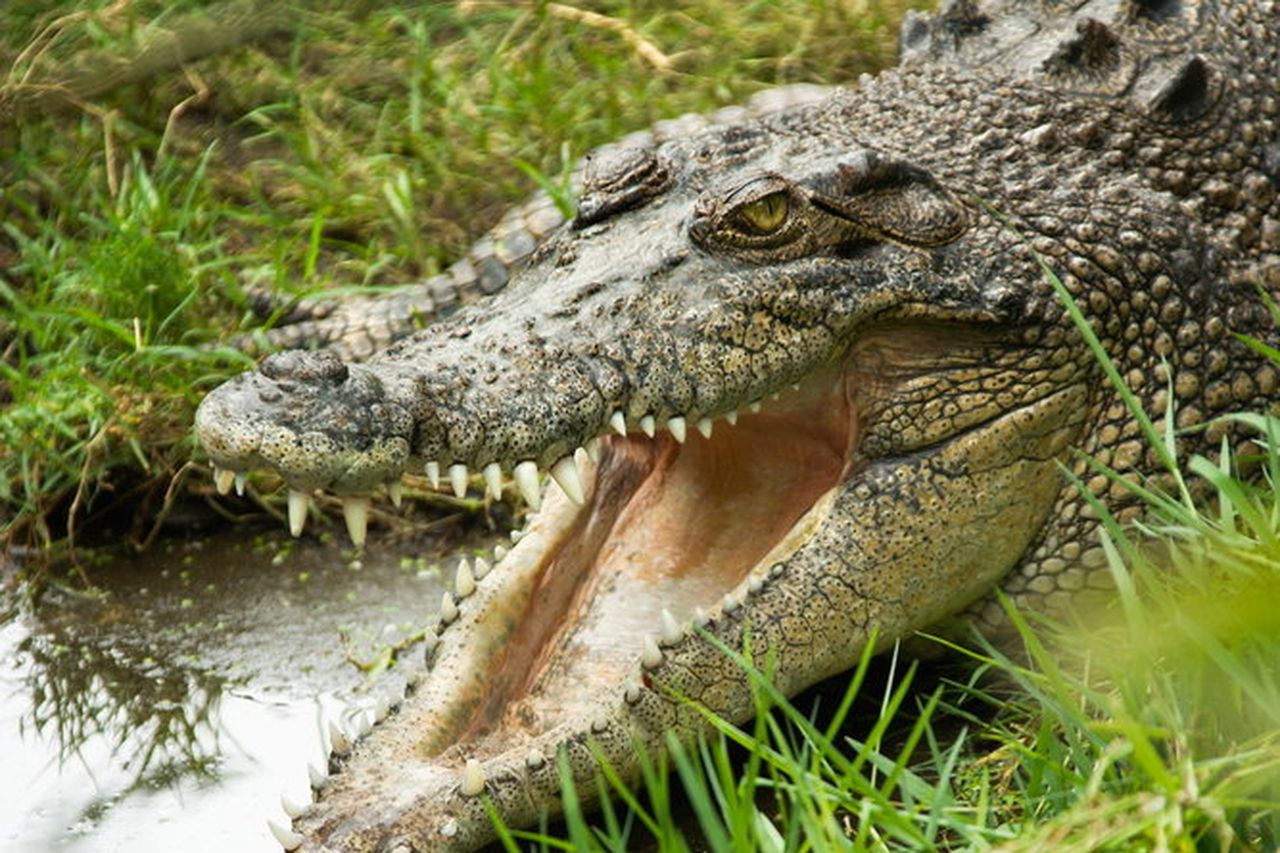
x: 798, y: 378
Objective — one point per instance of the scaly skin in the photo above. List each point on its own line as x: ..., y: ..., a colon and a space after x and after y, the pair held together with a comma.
x: 869, y: 259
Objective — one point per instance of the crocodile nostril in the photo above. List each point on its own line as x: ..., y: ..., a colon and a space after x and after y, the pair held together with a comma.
x: 303, y: 365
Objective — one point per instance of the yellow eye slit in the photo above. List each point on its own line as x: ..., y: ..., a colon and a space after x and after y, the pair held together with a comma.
x: 765, y: 215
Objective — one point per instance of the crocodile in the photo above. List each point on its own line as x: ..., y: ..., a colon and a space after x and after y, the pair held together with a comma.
x: 801, y: 384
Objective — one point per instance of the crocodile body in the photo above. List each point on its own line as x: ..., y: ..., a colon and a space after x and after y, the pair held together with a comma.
x: 799, y: 378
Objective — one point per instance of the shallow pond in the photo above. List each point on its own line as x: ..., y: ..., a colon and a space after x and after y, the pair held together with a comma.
x: 172, y: 709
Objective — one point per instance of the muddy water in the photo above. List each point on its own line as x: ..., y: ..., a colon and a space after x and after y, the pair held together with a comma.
x: 173, y: 709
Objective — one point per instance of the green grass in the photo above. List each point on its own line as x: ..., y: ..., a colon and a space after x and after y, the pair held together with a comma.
x: 362, y: 144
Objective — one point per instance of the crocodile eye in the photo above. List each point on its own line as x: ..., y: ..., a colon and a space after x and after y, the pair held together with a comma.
x: 764, y: 215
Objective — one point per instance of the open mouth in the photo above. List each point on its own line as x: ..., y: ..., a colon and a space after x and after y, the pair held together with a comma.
x: 673, y: 529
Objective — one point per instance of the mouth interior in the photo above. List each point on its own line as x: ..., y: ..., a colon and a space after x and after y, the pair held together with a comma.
x: 666, y: 526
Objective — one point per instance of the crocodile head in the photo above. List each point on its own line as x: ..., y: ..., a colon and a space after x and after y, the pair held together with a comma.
x: 796, y: 386
x: 782, y: 380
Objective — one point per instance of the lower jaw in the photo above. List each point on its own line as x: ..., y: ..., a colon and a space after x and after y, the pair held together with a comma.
x: 670, y: 534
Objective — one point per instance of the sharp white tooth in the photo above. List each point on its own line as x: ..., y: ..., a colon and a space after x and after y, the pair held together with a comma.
x: 482, y: 566
x: 618, y: 422
x: 288, y: 839
x: 704, y: 427
x: 297, y: 511
x: 730, y: 603
x: 448, y: 609
x: 700, y: 617
x: 732, y: 418
x: 465, y: 582
x: 534, y: 760
x: 755, y: 584
x: 650, y: 655
x: 648, y: 426
x: 433, y: 474
x: 632, y: 692
x: 241, y: 479
x: 677, y: 427
x: 599, y: 723
x: 671, y: 631
x: 395, y: 491
x: 593, y: 449
x: 293, y: 809
x: 449, y: 828
x: 413, y: 676
x: 516, y: 536
x: 381, y: 708
x: 582, y: 460
x: 458, y: 479
x: 498, y: 553
x: 565, y: 472
x: 223, y: 478
x: 754, y: 407
x: 338, y: 741
x: 472, y: 779
x: 364, y: 725
x: 316, y: 776
x: 493, y: 480
x: 355, y: 510
x: 430, y: 639
x: 527, y: 481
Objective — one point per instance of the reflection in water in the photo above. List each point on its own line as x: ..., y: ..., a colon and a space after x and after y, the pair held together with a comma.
x: 158, y: 716
x: 172, y: 711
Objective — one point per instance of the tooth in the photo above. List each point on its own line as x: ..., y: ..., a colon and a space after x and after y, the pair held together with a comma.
x: 516, y: 536
x: 498, y: 553
x: 381, y: 708
x: 297, y: 511
x: 677, y: 427
x: 730, y: 603
x: 448, y: 610
x: 465, y: 582
x: 755, y: 584
x: 472, y: 779
x: 449, y: 828
x: 700, y: 617
x: 754, y: 407
x: 223, y: 478
x: 565, y: 472
x: 534, y: 760
x: 413, y: 676
x: 651, y: 655
x: 430, y: 639
x: 704, y: 427
x: 599, y: 723
x: 647, y: 425
x: 593, y: 449
x: 433, y: 474
x: 732, y: 418
x: 795, y: 386
x: 288, y: 839
x: 458, y: 479
x: 482, y: 566
x: 241, y: 479
x: 293, y: 809
x: 618, y: 422
x: 493, y: 480
x: 338, y: 741
x: 671, y: 632
x: 364, y: 725
x: 356, y: 512
x: 632, y: 693
x: 395, y: 491
x: 316, y: 776
x: 527, y: 481
x: 582, y: 460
